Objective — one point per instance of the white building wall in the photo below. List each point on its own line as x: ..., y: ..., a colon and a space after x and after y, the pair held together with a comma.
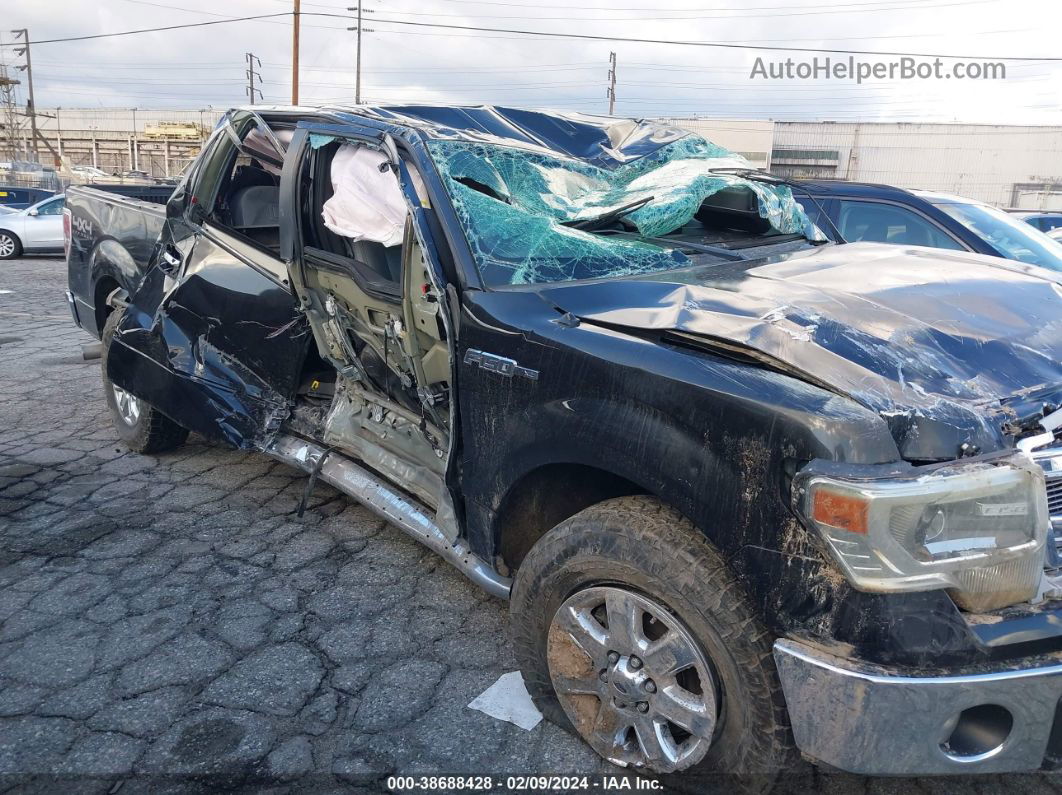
x: 751, y: 138
x: 119, y: 120
x: 987, y: 162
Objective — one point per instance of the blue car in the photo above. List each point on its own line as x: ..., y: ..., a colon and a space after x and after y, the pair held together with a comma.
x: 858, y: 211
x: 18, y: 198
x: 1042, y: 220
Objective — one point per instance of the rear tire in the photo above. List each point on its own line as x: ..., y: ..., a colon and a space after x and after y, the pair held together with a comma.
x: 643, y: 555
x: 142, y: 427
x: 10, y: 245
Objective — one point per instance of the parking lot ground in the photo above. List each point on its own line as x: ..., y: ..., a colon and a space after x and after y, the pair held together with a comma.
x: 168, y: 621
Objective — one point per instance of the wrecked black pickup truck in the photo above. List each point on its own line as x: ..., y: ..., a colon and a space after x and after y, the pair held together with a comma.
x: 748, y: 491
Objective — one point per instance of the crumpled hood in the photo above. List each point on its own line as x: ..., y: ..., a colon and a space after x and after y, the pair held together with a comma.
x: 899, y: 329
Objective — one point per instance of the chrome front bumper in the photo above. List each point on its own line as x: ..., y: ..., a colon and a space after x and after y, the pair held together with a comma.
x: 855, y: 718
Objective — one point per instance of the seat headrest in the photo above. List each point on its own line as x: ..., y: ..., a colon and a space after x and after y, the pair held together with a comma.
x: 255, y: 206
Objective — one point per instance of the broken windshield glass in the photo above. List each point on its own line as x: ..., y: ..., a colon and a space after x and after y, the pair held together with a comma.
x: 521, y: 207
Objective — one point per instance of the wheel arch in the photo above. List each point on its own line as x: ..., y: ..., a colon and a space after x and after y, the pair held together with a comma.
x: 104, y: 286
x: 572, y: 454
x: 544, y: 497
x: 111, y: 267
x: 18, y: 240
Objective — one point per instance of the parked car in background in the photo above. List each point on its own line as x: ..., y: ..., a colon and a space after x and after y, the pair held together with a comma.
x: 864, y: 212
x: 89, y: 172
x: 37, y: 229
x: 27, y: 174
x: 1044, y: 221
x: 18, y: 198
x: 1056, y: 233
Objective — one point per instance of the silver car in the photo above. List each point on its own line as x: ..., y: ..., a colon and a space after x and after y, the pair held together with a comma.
x: 37, y: 229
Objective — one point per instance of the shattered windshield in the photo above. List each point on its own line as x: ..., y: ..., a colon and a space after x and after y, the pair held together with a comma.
x: 521, y: 208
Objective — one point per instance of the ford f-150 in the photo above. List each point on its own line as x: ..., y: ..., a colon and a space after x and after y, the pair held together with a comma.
x: 747, y: 491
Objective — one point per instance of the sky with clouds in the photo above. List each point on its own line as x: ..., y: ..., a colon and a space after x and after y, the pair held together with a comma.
x: 204, y: 66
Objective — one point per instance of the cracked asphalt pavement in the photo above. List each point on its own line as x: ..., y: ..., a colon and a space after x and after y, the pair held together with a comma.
x: 168, y: 620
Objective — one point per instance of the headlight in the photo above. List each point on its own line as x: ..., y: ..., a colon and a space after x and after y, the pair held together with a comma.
x: 977, y: 528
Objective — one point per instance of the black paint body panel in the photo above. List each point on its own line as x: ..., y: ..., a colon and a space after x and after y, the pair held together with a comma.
x: 219, y: 350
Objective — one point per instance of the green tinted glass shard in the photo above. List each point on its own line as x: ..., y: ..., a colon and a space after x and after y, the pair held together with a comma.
x: 514, y: 204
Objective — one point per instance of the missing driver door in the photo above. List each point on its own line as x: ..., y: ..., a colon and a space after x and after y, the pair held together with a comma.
x: 356, y: 264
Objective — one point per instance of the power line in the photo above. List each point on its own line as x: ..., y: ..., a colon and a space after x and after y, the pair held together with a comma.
x: 157, y: 30
x: 556, y: 67
x: 655, y: 9
x: 698, y: 15
x: 720, y: 45
x: 557, y: 35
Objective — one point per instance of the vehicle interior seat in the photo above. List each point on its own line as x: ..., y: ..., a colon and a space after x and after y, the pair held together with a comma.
x: 876, y: 230
x: 865, y: 224
x: 255, y: 212
x: 915, y: 235
x: 385, y: 260
x: 243, y: 176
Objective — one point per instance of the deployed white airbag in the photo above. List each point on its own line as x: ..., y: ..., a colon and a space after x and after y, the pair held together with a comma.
x: 367, y: 202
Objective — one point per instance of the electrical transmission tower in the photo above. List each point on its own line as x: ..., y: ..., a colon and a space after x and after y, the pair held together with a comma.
x: 31, y: 109
x: 252, y: 59
x: 9, y: 123
x: 611, y: 91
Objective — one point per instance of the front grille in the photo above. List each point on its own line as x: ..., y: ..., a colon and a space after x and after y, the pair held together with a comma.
x: 1054, y: 497
x: 1051, y: 460
x: 1054, y: 510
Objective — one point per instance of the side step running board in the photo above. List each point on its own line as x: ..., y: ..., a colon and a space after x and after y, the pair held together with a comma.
x: 387, y: 503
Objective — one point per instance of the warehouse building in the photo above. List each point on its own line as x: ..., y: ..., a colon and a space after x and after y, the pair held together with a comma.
x: 750, y: 138
x: 160, y: 142
x: 1004, y: 165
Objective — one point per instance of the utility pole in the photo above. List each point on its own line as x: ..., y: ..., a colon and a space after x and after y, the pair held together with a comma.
x: 134, y: 157
x: 295, y: 55
x: 251, y: 75
x: 611, y: 92
x: 357, y: 58
x: 31, y: 110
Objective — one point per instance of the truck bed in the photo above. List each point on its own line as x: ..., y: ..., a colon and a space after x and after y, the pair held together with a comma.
x: 112, y: 239
x: 153, y: 194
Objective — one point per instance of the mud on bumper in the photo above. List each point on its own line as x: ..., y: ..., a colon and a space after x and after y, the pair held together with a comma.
x: 855, y: 717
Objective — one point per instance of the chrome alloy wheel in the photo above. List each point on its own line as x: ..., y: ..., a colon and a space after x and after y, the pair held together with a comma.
x: 632, y: 679
x: 7, y: 246
x: 128, y: 405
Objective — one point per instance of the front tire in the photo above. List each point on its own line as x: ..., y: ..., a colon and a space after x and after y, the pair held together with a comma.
x: 631, y: 632
x: 10, y: 245
x: 142, y: 427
